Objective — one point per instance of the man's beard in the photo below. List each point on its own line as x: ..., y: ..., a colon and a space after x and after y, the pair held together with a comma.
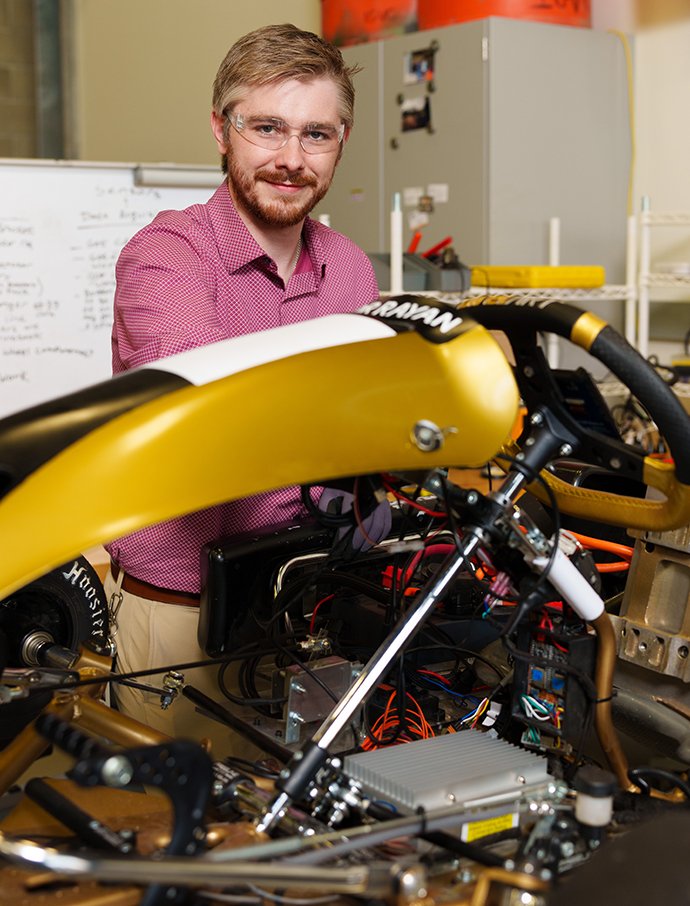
x: 282, y: 211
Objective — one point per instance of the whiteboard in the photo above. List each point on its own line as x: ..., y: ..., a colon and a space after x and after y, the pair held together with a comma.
x: 62, y: 226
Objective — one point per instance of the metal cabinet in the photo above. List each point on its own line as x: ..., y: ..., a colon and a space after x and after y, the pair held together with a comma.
x: 505, y: 125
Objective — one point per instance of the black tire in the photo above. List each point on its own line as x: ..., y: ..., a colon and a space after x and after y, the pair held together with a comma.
x: 68, y: 604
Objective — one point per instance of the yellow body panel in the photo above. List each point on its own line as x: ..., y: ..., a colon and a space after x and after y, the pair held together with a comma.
x: 325, y: 414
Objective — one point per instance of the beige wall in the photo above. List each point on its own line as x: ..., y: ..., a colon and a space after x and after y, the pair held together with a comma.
x: 143, y: 69
x: 142, y: 72
x: 17, y: 103
x: 663, y: 124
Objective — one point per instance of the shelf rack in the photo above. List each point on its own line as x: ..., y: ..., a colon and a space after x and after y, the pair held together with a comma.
x: 649, y: 279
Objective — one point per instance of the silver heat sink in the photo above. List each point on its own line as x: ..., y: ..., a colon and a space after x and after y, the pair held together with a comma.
x: 468, y: 767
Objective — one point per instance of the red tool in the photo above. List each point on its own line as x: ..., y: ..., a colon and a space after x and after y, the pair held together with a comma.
x: 435, y: 249
x: 414, y: 243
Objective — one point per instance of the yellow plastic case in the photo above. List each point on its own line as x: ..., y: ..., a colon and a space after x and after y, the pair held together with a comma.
x: 526, y: 275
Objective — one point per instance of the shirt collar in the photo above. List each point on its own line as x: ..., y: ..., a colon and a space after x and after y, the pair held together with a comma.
x: 236, y: 245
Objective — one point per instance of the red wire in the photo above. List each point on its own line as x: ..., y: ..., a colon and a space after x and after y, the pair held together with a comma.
x: 312, y: 622
x: 437, y: 514
x: 437, y: 676
x: 428, y: 551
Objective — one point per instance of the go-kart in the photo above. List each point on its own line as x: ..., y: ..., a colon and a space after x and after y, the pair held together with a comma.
x: 457, y: 708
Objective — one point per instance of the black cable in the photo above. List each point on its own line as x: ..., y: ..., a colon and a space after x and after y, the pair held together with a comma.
x: 410, y: 512
x: 244, y: 701
x: 284, y: 600
x: 333, y: 520
x: 401, y: 701
x: 252, y: 767
x: 155, y: 671
x: 289, y: 594
x: 576, y: 761
x: 641, y: 776
x: 529, y: 473
x: 462, y: 652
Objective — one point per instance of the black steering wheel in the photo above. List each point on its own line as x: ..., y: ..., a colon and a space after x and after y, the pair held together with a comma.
x: 522, y: 321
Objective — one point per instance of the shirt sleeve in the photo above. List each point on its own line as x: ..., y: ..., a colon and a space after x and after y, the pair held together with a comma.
x: 165, y: 296
x: 369, y: 288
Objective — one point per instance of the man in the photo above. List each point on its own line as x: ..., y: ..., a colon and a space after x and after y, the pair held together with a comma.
x: 248, y: 260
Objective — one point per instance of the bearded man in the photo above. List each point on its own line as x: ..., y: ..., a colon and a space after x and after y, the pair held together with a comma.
x: 248, y: 260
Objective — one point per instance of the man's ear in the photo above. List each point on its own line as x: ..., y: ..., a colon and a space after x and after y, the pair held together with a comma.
x: 218, y: 129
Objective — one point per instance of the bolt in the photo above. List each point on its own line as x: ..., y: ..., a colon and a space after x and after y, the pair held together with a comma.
x: 427, y: 436
x: 117, y: 771
x: 566, y: 450
x: 412, y: 883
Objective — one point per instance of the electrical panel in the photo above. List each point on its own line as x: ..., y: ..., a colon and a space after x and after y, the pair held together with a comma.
x: 488, y: 130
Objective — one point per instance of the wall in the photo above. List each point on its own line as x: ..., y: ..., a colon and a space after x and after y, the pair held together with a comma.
x: 17, y: 104
x: 143, y: 71
x: 663, y: 125
x: 663, y: 163
x: 141, y: 74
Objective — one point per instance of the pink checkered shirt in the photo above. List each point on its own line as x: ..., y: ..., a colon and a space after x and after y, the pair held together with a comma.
x: 197, y: 276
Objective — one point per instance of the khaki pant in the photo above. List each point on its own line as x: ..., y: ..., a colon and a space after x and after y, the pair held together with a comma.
x: 152, y: 634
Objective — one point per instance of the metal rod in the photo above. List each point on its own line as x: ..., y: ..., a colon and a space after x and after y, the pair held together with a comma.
x: 305, y: 764
x: 376, y: 879
x: 392, y: 646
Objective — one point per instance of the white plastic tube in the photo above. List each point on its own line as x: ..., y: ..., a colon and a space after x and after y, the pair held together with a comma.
x: 572, y: 586
x: 396, y: 246
x: 553, y: 352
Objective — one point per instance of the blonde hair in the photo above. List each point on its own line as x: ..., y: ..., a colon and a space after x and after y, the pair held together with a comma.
x: 276, y: 53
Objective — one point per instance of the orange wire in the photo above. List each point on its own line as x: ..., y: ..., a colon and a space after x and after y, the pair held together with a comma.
x: 601, y: 545
x: 619, y: 567
x: 388, y: 720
